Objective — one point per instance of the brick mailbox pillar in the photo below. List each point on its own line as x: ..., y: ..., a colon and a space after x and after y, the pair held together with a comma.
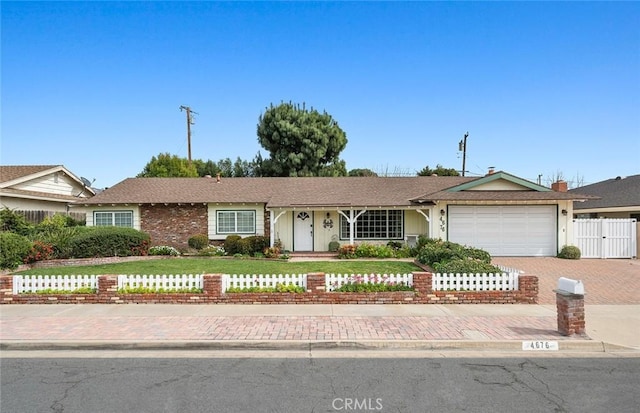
x: 316, y: 282
x: 212, y: 285
x: 570, y: 306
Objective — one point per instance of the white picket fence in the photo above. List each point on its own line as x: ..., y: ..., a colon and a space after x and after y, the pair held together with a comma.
x: 262, y: 280
x: 475, y: 282
x: 335, y: 281
x: 34, y: 283
x: 164, y: 282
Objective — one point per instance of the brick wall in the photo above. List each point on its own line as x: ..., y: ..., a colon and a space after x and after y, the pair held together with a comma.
x: 173, y: 224
x: 316, y: 294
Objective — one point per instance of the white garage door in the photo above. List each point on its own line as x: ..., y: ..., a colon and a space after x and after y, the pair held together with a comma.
x: 511, y: 230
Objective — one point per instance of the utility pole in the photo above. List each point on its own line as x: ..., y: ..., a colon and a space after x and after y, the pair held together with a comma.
x: 189, y: 123
x: 462, y: 147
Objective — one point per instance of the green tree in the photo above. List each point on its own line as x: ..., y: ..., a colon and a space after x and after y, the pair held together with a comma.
x: 440, y: 171
x: 301, y: 142
x: 166, y: 165
x: 209, y: 167
x: 362, y: 172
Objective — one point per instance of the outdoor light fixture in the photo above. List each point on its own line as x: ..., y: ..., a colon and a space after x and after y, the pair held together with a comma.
x: 564, y: 212
x: 442, y: 212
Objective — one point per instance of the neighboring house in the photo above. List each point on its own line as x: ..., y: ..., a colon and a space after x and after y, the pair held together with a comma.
x: 618, y: 198
x: 499, y: 212
x: 41, y: 189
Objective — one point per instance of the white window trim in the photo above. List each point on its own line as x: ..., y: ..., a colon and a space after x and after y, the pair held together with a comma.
x: 113, y: 218
x: 235, y: 213
x: 355, y: 237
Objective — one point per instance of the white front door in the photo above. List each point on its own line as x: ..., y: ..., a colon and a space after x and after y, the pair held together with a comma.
x: 303, y: 231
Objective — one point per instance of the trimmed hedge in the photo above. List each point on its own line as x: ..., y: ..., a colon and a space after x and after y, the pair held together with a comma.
x: 570, y: 252
x: 109, y: 242
x: 14, y: 249
x: 199, y: 241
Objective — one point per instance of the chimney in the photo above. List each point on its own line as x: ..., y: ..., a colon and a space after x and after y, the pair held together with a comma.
x: 218, y: 178
x: 492, y: 170
x: 560, y: 186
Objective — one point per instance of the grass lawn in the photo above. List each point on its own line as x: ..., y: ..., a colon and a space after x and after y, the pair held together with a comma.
x: 232, y: 266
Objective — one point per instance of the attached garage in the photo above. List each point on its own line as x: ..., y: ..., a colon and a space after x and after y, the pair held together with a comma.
x: 505, y: 230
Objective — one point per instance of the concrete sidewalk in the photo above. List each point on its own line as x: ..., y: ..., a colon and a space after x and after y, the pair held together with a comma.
x: 473, y: 327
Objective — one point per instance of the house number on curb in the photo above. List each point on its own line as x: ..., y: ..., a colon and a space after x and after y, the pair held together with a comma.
x: 540, y: 345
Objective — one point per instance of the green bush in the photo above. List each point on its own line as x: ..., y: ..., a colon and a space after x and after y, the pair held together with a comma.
x: 109, y: 242
x: 444, y: 251
x: 14, y: 249
x: 60, y: 239
x: 11, y: 221
x: 199, y: 241
x: 257, y: 244
x: 366, y: 250
x: 252, y: 245
x: 570, y: 252
x: 468, y: 266
x: 334, y: 246
x: 231, y: 244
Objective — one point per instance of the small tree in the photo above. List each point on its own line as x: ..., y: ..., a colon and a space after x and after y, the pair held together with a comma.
x: 301, y: 142
x: 166, y: 165
x: 440, y: 171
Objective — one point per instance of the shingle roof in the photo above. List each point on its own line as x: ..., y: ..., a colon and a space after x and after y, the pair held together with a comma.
x: 11, y: 172
x: 616, y: 192
x: 292, y: 192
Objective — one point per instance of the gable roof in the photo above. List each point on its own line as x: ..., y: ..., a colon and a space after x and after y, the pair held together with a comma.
x: 14, y: 175
x: 10, y: 173
x: 288, y: 192
x: 615, y: 192
x: 523, y: 191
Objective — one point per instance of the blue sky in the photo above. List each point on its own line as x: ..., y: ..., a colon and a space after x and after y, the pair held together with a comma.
x: 542, y: 88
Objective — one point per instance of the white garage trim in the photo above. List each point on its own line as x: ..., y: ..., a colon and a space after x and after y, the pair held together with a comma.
x: 505, y: 230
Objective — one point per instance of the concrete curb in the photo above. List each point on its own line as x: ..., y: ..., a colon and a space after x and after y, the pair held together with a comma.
x: 306, y: 345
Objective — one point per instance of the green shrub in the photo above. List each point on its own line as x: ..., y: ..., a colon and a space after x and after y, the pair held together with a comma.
x: 163, y: 250
x: 468, y: 266
x: 396, y: 245
x: 109, y: 242
x: 366, y: 250
x: 570, y: 252
x: 199, y: 241
x: 255, y: 244
x: 12, y: 221
x: 231, y: 244
x: 14, y: 249
x: 334, y: 246
x: 60, y: 239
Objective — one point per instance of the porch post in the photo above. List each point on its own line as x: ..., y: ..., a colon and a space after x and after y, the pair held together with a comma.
x: 272, y: 226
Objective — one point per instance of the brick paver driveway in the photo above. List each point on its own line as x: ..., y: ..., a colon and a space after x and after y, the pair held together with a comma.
x: 605, y: 281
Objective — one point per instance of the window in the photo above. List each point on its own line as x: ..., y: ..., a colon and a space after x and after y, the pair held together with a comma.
x: 113, y: 219
x: 376, y: 224
x: 236, y: 222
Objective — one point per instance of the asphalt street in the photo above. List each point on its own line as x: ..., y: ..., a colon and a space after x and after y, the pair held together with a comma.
x: 319, y: 385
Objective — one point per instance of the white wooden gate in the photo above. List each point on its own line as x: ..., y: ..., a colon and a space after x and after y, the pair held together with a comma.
x: 605, y: 237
